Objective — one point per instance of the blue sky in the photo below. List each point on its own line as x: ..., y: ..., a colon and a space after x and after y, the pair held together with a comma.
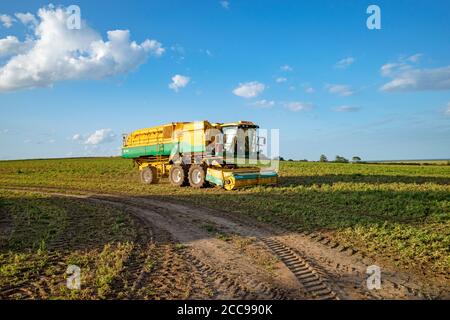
x: 309, y: 68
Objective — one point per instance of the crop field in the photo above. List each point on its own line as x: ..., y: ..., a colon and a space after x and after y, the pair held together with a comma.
x: 38, y: 231
x: 396, y: 214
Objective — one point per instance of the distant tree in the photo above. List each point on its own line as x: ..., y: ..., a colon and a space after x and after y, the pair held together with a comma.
x: 290, y: 160
x: 279, y: 158
x: 323, y: 158
x: 340, y: 159
x: 356, y: 159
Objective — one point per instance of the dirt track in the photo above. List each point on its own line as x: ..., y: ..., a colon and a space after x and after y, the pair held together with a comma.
x: 210, y: 254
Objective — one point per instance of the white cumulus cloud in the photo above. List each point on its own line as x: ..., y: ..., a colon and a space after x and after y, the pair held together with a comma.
x: 77, y: 137
x: 340, y: 90
x: 414, y: 58
x: 100, y: 136
x: 286, y: 68
x: 10, y: 46
x: 26, y: 18
x: 263, y: 103
x: 406, y: 76
x: 345, y: 63
x: 179, y: 81
x: 280, y: 79
x: 299, y: 106
x: 249, y: 89
x: 388, y: 68
x: 57, y: 53
x: 6, y: 20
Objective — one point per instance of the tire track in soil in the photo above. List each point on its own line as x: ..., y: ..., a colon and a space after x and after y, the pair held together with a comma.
x: 227, y: 273
x: 177, y: 274
x: 134, y: 277
x: 244, y: 228
x: 236, y: 288
x: 344, y: 268
x: 233, y: 276
x: 134, y: 269
x: 332, y: 271
x: 311, y: 280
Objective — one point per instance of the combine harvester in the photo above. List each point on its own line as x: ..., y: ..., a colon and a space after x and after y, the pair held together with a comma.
x: 198, y: 154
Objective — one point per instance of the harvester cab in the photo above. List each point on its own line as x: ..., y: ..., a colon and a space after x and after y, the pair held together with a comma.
x: 240, y: 140
x: 199, y: 154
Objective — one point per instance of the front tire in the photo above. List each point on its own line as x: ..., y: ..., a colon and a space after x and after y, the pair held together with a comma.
x: 149, y: 175
x: 178, y: 176
x: 197, y: 176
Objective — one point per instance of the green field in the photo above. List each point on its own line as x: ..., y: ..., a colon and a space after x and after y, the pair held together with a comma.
x: 42, y: 235
x: 399, y: 213
x: 414, y: 162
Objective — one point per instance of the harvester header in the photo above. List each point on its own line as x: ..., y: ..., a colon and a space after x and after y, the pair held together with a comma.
x: 199, y: 154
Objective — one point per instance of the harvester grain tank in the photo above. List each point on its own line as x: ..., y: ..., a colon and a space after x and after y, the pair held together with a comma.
x: 198, y: 154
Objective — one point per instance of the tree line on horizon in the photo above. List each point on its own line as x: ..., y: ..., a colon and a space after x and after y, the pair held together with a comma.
x: 323, y: 158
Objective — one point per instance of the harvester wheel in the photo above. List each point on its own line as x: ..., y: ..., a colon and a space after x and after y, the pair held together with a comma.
x: 149, y: 175
x: 178, y: 176
x: 197, y: 176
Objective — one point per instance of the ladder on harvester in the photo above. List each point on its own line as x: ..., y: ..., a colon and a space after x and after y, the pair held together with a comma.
x: 159, y: 151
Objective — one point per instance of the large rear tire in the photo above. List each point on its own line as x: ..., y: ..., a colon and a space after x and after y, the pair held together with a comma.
x: 178, y: 176
x: 197, y: 176
x: 149, y: 175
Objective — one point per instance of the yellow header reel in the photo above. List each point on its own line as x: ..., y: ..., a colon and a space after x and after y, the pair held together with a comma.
x: 235, y: 178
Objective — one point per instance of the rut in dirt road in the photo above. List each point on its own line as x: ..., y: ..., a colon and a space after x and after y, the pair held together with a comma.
x: 307, y: 276
x: 304, y: 268
x: 201, y: 266
x: 341, y: 268
x: 234, y: 275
